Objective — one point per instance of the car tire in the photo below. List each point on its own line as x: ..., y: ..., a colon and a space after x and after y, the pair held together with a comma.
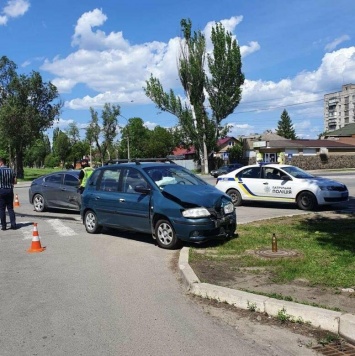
x: 91, y: 223
x: 165, y: 235
x: 306, y: 201
x: 236, y: 197
x: 38, y: 203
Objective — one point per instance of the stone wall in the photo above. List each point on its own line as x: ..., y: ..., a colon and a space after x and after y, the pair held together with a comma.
x: 319, y: 162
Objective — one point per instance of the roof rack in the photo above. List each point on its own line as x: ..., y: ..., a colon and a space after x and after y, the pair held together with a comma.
x: 139, y: 160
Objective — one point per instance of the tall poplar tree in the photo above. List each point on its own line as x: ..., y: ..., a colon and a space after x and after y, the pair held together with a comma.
x: 222, y: 82
x: 103, y: 134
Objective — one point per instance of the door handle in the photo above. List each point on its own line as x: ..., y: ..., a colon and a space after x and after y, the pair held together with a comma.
x: 121, y: 200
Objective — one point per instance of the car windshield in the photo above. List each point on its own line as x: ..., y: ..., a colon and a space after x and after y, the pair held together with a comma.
x: 297, y: 172
x: 173, y: 174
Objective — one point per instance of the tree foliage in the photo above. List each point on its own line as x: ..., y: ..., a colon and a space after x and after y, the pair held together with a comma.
x: 222, y: 82
x: 235, y: 153
x: 285, y: 127
x: 61, y: 147
x: 103, y: 133
x: 28, y: 107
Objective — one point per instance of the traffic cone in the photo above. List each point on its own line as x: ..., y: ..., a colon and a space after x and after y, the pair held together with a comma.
x: 16, y: 203
x: 36, y: 243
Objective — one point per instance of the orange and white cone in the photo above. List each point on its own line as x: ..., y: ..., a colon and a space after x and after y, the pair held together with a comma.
x: 36, y: 243
x: 16, y: 203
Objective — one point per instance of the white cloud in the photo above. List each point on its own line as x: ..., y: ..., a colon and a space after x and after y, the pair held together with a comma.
x: 238, y: 129
x: 13, y: 9
x: 116, y: 72
x: 62, y: 123
x: 334, y: 44
x: 3, y: 20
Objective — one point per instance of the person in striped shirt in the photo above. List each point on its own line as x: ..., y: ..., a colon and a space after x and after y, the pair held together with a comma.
x: 7, y: 181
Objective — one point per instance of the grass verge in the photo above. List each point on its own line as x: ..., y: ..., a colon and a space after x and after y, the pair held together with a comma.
x: 32, y: 173
x: 325, y: 247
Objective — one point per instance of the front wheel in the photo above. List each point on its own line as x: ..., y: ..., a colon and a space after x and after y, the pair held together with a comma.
x: 165, y: 235
x: 91, y: 223
x: 236, y: 197
x: 38, y: 203
x: 306, y: 201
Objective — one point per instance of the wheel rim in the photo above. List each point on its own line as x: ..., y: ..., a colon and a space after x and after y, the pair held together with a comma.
x: 38, y: 203
x: 306, y: 201
x: 90, y: 221
x: 165, y: 234
x: 234, y: 197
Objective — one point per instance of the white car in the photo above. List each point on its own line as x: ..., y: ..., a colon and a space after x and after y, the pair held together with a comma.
x: 281, y: 183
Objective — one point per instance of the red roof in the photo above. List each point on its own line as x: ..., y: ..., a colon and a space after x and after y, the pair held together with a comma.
x: 224, y: 140
x: 184, y: 151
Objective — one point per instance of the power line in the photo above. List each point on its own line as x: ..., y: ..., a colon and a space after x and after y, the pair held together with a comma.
x: 276, y: 107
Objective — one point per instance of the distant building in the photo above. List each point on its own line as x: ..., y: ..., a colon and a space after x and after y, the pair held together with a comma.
x: 346, y: 134
x: 339, y: 108
x: 224, y: 144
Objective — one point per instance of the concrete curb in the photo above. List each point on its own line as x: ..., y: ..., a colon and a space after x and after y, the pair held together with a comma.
x: 336, y: 322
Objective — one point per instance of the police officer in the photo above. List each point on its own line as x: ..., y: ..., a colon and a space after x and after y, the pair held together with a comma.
x: 7, y: 181
x: 84, y: 174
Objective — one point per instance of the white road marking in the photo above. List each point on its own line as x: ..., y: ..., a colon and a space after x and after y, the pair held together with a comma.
x: 60, y: 228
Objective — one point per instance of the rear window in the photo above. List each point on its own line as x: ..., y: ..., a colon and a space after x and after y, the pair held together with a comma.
x: 54, y: 178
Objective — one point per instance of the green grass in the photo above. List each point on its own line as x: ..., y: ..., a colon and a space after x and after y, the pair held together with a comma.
x: 325, y: 247
x: 33, y: 173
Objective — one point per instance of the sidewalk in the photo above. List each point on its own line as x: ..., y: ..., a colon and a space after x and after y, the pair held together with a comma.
x: 335, y: 322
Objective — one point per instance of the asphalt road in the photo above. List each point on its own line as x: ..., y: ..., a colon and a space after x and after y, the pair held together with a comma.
x: 113, y: 293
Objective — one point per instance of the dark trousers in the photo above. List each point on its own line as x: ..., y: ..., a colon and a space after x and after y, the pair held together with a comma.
x: 7, y: 201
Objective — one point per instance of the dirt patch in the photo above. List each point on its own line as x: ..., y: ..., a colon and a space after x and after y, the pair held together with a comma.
x: 259, y: 280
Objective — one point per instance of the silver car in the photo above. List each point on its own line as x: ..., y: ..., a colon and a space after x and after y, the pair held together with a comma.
x: 56, y: 190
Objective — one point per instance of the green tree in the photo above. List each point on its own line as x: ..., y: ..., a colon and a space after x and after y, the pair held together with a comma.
x: 285, y: 127
x: 28, y: 107
x: 235, y: 153
x: 103, y: 134
x: 134, y: 136
x: 37, y: 152
x: 161, y: 142
x: 222, y: 85
x: 61, y: 147
x: 78, y: 148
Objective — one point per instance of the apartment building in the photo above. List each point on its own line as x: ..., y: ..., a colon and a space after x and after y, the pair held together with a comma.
x: 339, y: 108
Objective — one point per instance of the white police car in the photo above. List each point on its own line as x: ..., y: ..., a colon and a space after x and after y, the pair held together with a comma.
x: 281, y: 183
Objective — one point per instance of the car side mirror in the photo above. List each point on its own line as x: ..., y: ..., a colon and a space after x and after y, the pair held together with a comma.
x: 142, y: 189
x: 286, y: 177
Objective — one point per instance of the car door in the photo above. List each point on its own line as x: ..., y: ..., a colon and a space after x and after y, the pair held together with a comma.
x: 104, y: 196
x: 70, y: 194
x: 276, y: 188
x: 133, y: 207
x: 51, y: 190
x: 250, y: 184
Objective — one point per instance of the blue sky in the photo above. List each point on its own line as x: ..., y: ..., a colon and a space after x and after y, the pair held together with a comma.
x: 96, y: 52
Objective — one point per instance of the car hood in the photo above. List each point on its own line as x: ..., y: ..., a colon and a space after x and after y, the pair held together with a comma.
x: 195, y: 195
x: 323, y: 181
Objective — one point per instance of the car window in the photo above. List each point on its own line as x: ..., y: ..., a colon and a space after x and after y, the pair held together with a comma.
x: 94, y: 178
x: 271, y: 173
x: 132, y: 178
x: 71, y: 181
x: 109, y: 180
x: 54, y: 178
x: 297, y: 172
x: 251, y: 172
